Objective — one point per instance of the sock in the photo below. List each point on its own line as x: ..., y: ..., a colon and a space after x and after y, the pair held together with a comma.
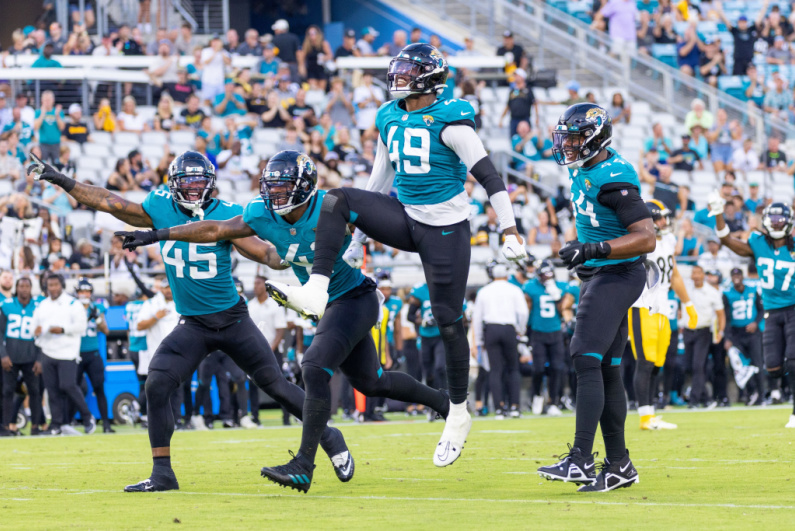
x: 590, y: 401
x: 161, y: 464
x: 614, y: 414
x: 316, y: 415
x: 330, y: 234
x: 641, y: 381
x: 456, y: 349
x: 318, y: 282
x: 645, y: 412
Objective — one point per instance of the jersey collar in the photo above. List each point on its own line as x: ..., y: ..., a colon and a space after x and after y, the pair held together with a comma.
x: 304, y: 218
x: 424, y: 109
x: 612, y: 154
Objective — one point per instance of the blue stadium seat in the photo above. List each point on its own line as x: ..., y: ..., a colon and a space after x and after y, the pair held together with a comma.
x: 665, y: 53
x: 733, y: 85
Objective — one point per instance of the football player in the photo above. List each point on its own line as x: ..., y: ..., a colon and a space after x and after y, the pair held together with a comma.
x: 214, y: 316
x: 772, y: 249
x: 286, y: 215
x: 614, y: 231
x: 649, y: 326
x: 426, y: 146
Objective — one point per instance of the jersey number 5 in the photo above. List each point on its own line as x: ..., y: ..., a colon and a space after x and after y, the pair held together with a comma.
x: 423, y: 152
x: 194, y: 256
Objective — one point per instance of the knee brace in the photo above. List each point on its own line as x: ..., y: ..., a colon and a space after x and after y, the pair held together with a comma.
x: 776, y: 372
x: 452, y: 331
x: 159, y: 387
x: 336, y: 202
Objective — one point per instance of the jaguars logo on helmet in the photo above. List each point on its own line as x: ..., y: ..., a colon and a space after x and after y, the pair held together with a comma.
x: 660, y: 213
x: 288, y: 181
x: 777, y: 220
x: 583, y: 131
x: 191, y: 180
x: 418, y: 69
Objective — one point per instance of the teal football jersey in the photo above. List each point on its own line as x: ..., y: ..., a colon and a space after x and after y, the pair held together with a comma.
x: 18, y: 329
x: 394, y: 305
x: 427, y: 172
x: 200, y: 274
x: 673, y: 310
x: 742, y: 306
x: 544, y: 315
x: 775, y: 267
x: 137, y: 337
x: 596, y: 222
x: 420, y: 292
x: 573, y: 287
x: 295, y: 243
x: 89, y: 341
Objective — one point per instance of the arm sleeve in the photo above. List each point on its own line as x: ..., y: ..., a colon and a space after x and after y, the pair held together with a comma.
x: 626, y: 201
x: 760, y: 311
x: 146, y: 291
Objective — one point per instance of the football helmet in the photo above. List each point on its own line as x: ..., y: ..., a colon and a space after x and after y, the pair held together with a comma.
x: 660, y: 212
x: 545, y: 271
x: 288, y: 181
x: 583, y: 131
x: 238, y: 285
x: 419, y: 68
x: 383, y: 278
x: 777, y: 220
x: 191, y: 180
x: 83, y: 284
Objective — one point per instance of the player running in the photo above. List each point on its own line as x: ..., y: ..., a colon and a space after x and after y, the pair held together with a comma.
x: 614, y: 230
x: 214, y: 316
x: 772, y: 248
x: 649, y: 327
x: 426, y: 146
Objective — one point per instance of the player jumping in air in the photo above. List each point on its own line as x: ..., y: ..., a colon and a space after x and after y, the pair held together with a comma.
x: 614, y: 231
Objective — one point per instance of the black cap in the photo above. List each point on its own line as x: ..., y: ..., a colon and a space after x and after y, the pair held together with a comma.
x: 736, y: 271
x: 350, y: 33
x: 507, y: 33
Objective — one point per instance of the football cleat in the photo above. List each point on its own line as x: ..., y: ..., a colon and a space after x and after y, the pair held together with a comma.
x: 573, y: 467
x: 613, y: 476
x: 156, y: 483
x: 775, y: 396
x: 67, y: 429
x: 308, y: 300
x: 554, y: 411
x: 499, y: 414
x: 538, y: 405
x: 343, y: 466
x: 335, y: 447
x: 294, y: 474
x: 197, y: 421
x: 791, y: 423
x: 515, y: 413
x: 659, y: 424
x: 247, y: 423
x: 90, y: 426
x: 456, y: 429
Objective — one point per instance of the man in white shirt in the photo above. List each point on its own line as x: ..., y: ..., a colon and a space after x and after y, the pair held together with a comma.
x: 58, y: 324
x: 233, y: 166
x: 367, y: 98
x: 213, y: 60
x: 745, y: 158
x: 708, y: 303
x: 716, y: 257
x: 499, y: 316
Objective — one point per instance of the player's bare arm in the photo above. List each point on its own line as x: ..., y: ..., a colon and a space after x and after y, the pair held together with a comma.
x: 738, y: 246
x: 258, y: 250
x: 201, y: 232
x: 640, y: 240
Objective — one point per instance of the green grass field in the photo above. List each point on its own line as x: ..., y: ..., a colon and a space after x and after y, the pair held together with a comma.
x: 723, y: 469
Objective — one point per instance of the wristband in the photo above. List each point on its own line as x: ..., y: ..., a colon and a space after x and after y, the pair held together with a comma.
x: 596, y: 250
x: 161, y: 234
x: 67, y: 183
x: 722, y: 233
x: 688, y: 304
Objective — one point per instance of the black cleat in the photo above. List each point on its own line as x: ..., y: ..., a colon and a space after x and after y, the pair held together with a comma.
x: 156, y: 483
x: 574, y: 467
x: 107, y: 428
x: 613, y: 476
x: 294, y: 474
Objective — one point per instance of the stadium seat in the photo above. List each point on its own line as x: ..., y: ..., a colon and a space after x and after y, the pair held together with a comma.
x: 121, y: 151
x: 666, y: 120
x: 75, y: 150
x: 264, y: 149
x: 126, y: 138
x: 154, y: 138
x: 183, y: 136
x: 96, y: 150
x: 225, y: 188
x: 82, y: 223
x: 152, y: 153
x: 136, y: 196
x: 101, y: 137
x: 270, y: 135
x: 91, y: 175
x: 665, y: 53
x: 91, y: 163
x: 733, y: 85
x: 6, y: 187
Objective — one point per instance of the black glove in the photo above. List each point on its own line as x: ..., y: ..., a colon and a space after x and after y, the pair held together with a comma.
x: 47, y: 173
x: 575, y: 253
x: 141, y: 238
x: 93, y: 313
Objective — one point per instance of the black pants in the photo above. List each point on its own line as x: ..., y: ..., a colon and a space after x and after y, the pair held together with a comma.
x: 60, y: 380
x: 501, y: 346
x: 433, y: 361
x: 34, y: 393
x: 211, y: 366
x: 92, y: 366
x: 412, y: 355
x: 548, y: 348
x: 444, y: 251
x: 697, y: 345
x: 779, y: 337
x: 750, y: 344
x: 717, y: 373
x: 482, y: 387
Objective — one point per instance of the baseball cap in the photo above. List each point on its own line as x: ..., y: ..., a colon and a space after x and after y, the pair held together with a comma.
x: 507, y: 33
x: 75, y: 107
x: 280, y: 25
x: 350, y: 33
x: 742, y: 18
x: 736, y: 271
x: 520, y: 72
x: 779, y: 38
x: 685, y: 135
x: 712, y: 239
x: 573, y: 85
x: 369, y: 30
x: 754, y: 184
x: 331, y: 155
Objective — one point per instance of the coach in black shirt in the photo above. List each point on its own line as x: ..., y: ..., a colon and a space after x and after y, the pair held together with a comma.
x: 520, y: 101
x: 288, y: 44
x: 348, y: 47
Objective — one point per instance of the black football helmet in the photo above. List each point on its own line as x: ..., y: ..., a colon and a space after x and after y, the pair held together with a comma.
x: 777, y: 220
x: 583, y: 131
x: 83, y: 284
x: 659, y: 212
x: 383, y: 277
x: 191, y: 180
x: 419, y: 68
x: 495, y: 269
x: 545, y: 271
x: 288, y: 181
x: 238, y: 285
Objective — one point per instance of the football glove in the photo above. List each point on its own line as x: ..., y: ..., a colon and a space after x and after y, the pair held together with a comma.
x: 512, y: 249
x: 715, y: 203
x: 43, y: 171
x: 692, y: 316
x: 354, y: 255
x: 138, y: 238
x: 575, y: 252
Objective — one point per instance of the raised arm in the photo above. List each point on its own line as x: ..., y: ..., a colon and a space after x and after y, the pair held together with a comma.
x: 715, y: 204
x: 201, y: 232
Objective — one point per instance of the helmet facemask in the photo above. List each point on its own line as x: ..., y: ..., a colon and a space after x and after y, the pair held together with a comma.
x: 407, y: 77
x: 573, y: 148
x: 777, y: 225
x: 191, y: 187
x: 284, y: 193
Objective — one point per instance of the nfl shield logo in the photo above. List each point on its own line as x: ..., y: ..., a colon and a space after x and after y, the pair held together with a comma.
x: 292, y: 231
x: 624, y: 192
x: 405, y: 117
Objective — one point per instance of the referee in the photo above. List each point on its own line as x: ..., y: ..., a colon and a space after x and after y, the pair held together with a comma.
x: 500, y: 315
x: 708, y: 303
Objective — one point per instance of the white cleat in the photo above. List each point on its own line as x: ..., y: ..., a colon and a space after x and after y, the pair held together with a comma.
x: 791, y: 423
x: 456, y: 429
x: 554, y: 411
x: 66, y: 429
x: 659, y: 424
x: 308, y: 300
x: 538, y: 405
x: 197, y: 421
x: 247, y: 423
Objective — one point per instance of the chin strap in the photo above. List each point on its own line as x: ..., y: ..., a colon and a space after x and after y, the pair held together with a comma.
x: 197, y: 211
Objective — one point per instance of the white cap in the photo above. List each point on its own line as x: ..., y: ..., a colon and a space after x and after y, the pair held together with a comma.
x: 75, y: 107
x: 499, y: 270
x: 280, y: 25
x: 520, y: 72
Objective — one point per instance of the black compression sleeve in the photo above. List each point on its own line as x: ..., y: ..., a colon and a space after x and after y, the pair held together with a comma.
x: 138, y: 282
x: 486, y: 174
x: 625, y: 199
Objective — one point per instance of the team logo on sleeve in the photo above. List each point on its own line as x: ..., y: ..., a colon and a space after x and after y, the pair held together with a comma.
x: 428, y: 119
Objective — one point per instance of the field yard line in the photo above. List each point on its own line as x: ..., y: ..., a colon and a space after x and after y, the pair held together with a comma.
x: 415, y: 499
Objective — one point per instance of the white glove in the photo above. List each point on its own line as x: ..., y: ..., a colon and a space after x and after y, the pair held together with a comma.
x: 715, y: 203
x: 354, y: 255
x: 553, y: 290
x: 513, y: 250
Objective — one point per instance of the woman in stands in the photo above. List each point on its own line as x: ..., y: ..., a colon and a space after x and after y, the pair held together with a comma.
x: 317, y: 52
x: 129, y: 118
x: 122, y: 180
x: 620, y: 111
x: 164, y: 116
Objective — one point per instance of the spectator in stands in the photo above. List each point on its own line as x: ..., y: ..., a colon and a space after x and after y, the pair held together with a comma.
x: 182, y: 89
x: 745, y: 159
x: 773, y: 158
x: 520, y: 102
x: 513, y: 54
x: 753, y: 201
x: 185, y: 41
x: 365, y: 43
x: 78, y: 43
x: 685, y: 203
x: 85, y: 257
x: 164, y: 115
x: 532, y: 144
x: 316, y: 53
x: 399, y: 41
x: 275, y: 114
x: 286, y: 90
x: 232, y: 164
x: 698, y: 115
x: 620, y: 15
x: 214, y: 59
x: 229, y: 103
x: 712, y: 62
x: 213, y: 138
x: 543, y: 233
x: 620, y: 111
x: 23, y: 129
x: 250, y: 44
x: 688, y: 49
x: 346, y: 150
x: 106, y: 47
x: 698, y: 142
x: 780, y: 53
x: 290, y: 141
x: 685, y: 158
x: 299, y: 108
x: 660, y: 142
x: 129, y: 119
x: 416, y: 35
x: 10, y: 167
x: 76, y: 129
x: 38, y: 37
x: 644, y: 36
x: 14, y: 149
x: 338, y: 104
x: 754, y: 85
x: 26, y: 112
x: 269, y: 65
x: 775, y: 25
x: 745, y: 37
x: 160, y: 35
x: 6, y: 115
x: 348, y: 47
x: 489, y: 233
x: 716, y: 256
x: 666, y: 190
x: 720, y: 142
x: 20, y: 44
x: 45, y: 59
x: 316, y: 147
x: 573, y: 88
x: 367, y: 98
x: 57, y: 38
x: 664, y: 32
x: 735, y: 218
x: 48, y: 124
x: 779, y: 100
x: 232, y: 41
x: 164, y: 67
x: 121, y: 179
x: 125, y: 42
x: 687, y: 244
x: 192, y: 115
x: 288, y: 44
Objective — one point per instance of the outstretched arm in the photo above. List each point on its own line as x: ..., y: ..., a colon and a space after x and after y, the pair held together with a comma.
x: 201, y: 232
x: 260, y: 251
